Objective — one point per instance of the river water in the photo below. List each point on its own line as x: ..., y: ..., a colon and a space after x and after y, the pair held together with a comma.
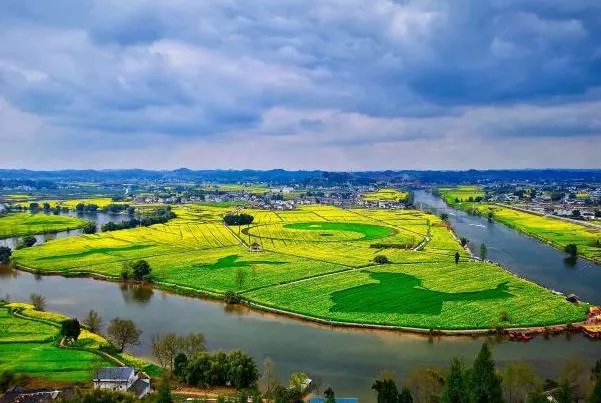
x: 347, y: 360
x: 99, y: 218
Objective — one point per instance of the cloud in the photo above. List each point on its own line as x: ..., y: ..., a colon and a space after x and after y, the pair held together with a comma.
x: 343, y: 75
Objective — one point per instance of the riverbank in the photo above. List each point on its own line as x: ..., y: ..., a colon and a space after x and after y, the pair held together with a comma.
x: 21, y: 224
x: 257, y: 306
x: 553, y: 231
x: 32, y: 336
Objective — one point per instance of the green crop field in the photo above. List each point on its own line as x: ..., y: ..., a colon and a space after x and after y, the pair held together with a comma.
x: 319, y: 261
x: 460, y: 194
x: 559, y: 233
x: 31, y: 347
x: 29, y: 344
x: 390, y: 195
x: 20, y: 224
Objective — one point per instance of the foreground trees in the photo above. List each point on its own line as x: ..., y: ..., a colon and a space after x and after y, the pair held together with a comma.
x: 70, y: 329
x: 167, y: 347
x: 93, y: 321
x: 123, y: 333
x: 5, y: 253
x: 220, y: 369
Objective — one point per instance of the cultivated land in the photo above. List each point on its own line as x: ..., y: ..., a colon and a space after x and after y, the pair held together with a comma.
x: 20, y: 224
x: 29, y: 344
x: 558, y: 233
x: 318, y: 261
x: 390, y: 195
x: 461, y: 194
x: 71, y: 203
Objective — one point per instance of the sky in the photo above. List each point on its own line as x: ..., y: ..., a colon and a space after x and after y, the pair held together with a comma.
x: 300, y: 84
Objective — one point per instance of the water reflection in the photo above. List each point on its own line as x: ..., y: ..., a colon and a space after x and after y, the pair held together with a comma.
x: 7, y: 271
x: 136, y: 293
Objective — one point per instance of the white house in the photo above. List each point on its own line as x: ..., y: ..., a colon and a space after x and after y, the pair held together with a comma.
x: 121, y: 379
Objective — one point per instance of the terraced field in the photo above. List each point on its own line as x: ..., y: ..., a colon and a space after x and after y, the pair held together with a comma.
x: 29, y: 344
x: 319, y: 261
x: 20, y: 224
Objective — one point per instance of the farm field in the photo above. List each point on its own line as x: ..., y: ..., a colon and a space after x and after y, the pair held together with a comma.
x: 29, y: 344
x: 390, y: 195
x: 20, y: 224
x: 318, y: 261
x: 557, y: 232
x: 31, y: 347
x: 71, y: 203
x: 460, y: 194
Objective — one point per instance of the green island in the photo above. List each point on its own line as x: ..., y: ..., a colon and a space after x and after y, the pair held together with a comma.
x: 557, y: 232
x: 30, y: 343
x: 318, y: 263
x: 20, y: 224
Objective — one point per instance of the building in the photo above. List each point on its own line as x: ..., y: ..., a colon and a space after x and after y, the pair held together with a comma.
x: 22, y: 395
x: 121, y: 379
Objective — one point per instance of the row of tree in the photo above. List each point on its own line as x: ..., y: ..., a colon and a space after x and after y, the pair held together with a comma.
x: 159, y: 216
x: 238, y: 219
x: 483, y: 383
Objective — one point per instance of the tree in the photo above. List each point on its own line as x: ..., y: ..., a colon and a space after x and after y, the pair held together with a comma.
x: 565, y: 393
x: 38, y: 302
x: 381, y: 259
x: 89, y: 228
x: 164, y: 392
x: 123, y: 333
x: 457, y: 256
x: 463, y: 241
x: 297, y: 384
x: 7, y: 379
x: 93, y: 322
x: 5, y: 253
x: 26, y: 242
x: 70, y: 329
x: 595, y: 396
x: 270, y: 379
x: 164, y: 349
x: 444, y: 217
x: 80, y: 207
x: 180, y: 364
x: 483, y: 252
x: 191, y: 344
x: 455, y: 390
x: 329, y: 395
x: 571, y: 249
x: 426, y: 384
x: 141, y: 270
x: 387, y: 390
x: 519, y: 381
x: 405, y: 396
x: 484, y: 384
x: 240, y: 277
x: 490, y: 216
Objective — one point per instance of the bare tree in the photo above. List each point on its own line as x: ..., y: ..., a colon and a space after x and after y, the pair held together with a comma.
x: 123, y: 333
x: 164, y: 349
x: 38, y: 302
x: 192, y: 344
x: 93, y: 322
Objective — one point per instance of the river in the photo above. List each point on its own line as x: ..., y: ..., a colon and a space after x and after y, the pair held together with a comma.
x: 99, y: 218
x: 348, y: 360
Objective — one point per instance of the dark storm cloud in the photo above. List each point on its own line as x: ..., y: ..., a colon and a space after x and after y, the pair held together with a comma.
x: 336, y: 72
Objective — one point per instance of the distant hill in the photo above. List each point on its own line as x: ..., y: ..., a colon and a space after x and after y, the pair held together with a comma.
x: 279, y: 176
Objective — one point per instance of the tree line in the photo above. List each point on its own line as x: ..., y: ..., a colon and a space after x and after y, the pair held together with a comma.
x: 159, y: 216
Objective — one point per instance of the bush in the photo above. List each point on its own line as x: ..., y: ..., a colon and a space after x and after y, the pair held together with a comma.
x: 238, y: 219
x: 38, y: 302
x: 26, y: 242
x: 381, y: 259
x: 89, y: 228
x: 232, y: 298
x: 5, y: 253
x: 571, y: 249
